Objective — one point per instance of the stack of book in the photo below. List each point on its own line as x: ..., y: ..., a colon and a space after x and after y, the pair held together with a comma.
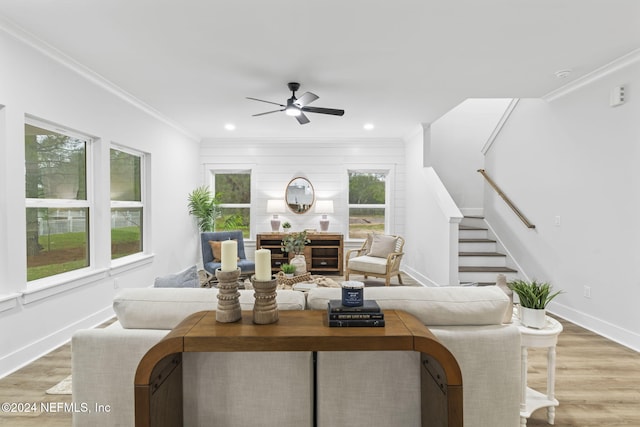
x: 368, y: 314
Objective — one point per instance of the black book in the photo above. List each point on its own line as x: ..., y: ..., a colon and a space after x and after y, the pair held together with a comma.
x: 356, y: 316
x: 368, y: 306
x: 356, y: 323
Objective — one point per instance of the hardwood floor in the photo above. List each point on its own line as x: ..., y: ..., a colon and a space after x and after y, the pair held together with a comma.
x: 597, y: 384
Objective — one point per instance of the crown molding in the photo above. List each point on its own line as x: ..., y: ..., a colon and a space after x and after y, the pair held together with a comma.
x: 46, y: 49
x: 615, y: 65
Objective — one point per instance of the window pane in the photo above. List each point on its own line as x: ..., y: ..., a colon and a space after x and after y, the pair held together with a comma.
x: 57, y: 241
x: 126, y: 231
x: 234, y: 219
x: 125, y: 176
x: 55, y: 165
x: 366, y: 188
x: 365, y: 220
x: 233, y: 187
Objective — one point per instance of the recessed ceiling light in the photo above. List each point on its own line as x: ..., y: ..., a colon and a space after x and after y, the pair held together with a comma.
x: 368, y: 126
x: 230, y: 126
x: 563, y: 74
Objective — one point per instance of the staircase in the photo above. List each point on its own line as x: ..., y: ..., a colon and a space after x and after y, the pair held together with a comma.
x: 479, y: 261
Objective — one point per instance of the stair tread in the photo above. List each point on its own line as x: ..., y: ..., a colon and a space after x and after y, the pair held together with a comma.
x: 481, y: 254
x: 483, y: 269
x: 476, y: 241
x: 472, y: 228
x: 474, y: 216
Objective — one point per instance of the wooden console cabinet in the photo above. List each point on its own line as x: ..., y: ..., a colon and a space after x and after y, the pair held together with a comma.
x: 324, y: 254
x: 158, y: 380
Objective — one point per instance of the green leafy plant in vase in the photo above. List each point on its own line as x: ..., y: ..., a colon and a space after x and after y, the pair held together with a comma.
x: 534, y: 298
x: 294, y: 243
x: 205, y: 206
x: 286, y: 226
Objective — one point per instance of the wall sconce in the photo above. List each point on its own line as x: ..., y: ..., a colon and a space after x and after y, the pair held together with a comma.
x: 324, y: 207
x: 275, y: 207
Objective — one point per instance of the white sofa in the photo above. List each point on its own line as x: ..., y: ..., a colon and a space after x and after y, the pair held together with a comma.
x: 277, y: 388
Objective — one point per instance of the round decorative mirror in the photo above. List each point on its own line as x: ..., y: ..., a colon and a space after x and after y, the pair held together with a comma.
x: 299, y: 195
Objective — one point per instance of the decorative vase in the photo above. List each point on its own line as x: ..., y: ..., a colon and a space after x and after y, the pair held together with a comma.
x: 533, y: 318
x: 300, y: 263
x: 265, y: 308
x: 228, y: 309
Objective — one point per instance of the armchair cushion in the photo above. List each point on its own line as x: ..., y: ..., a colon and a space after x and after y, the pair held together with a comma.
x: 382, y: 245
x: 368, y: 263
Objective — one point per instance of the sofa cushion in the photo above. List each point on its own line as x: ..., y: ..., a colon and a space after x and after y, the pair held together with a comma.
x: 187, y: 278
x: 450, y: 305
x: 164, y: 308
x: 368, y: 263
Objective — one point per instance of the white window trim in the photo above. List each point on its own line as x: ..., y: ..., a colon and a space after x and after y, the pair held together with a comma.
x: 145, y: 254
x: 389, y: 170
x: 211, y: 169
x: 56, y: 280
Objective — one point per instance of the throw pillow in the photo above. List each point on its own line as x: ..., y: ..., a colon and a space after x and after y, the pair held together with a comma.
x: 367, y: 243
x: 216, y: 248
x: 382, y: 245
x: 187, y: 278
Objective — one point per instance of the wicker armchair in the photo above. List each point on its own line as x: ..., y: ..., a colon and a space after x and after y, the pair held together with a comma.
x: 371, y: 262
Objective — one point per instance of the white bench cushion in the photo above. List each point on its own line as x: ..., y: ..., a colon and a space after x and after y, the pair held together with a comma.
x: 369, y: 263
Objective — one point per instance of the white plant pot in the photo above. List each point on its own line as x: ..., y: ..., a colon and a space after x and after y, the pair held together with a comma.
x: 300, y: 263
x: 533, y: 318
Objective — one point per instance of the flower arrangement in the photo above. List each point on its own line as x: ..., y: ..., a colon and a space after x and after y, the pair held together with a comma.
x: 295, y: 242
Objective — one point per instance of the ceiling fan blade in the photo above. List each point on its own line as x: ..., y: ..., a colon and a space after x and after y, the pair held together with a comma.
x: 302, y: 119
x: 268, y: 102
x: 332, y: 111
x: 268, y: 112
x: 306, y: 99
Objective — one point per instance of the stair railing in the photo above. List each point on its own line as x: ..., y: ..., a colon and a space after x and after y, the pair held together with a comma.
x: 506, y: 199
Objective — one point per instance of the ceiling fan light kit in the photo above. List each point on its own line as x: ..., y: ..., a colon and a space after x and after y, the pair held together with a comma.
x: 296, y: 107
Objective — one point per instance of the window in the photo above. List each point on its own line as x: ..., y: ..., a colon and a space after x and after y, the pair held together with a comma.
x: 233, y: 190
x: 126, y: 203
x: 367, y: 203
x: 57, y: 206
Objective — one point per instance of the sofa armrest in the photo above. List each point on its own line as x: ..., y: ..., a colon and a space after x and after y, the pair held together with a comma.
x: 103, y: 366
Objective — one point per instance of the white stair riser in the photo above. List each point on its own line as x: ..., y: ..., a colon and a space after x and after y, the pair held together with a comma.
x: 477, y: 247
x: 485, y: 261
x: 473, y: 222
x: 472, y: 234
x: 483, y: 276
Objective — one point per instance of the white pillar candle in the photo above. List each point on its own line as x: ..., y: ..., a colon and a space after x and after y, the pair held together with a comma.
x: 229, y: 258
x: 263, y: 265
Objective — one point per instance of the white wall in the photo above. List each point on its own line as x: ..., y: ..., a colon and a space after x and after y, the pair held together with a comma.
x: 431, y: 249
x: 457, y: 139
x: 576, y: 160
x: 324, y: 162
x: 31, y: 83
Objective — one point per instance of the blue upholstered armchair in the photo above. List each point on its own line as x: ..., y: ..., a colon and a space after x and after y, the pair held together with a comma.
x: 246, y: 266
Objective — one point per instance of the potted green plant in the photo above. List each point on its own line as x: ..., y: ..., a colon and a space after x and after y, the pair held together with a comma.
x: 294, y: 243
x: 205, y: 206
x: 286, y: 226
x: 534, y: 298
x: 288, y: 269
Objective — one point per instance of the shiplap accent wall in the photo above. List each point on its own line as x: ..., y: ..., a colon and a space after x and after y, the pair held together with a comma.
x: 325, y: 163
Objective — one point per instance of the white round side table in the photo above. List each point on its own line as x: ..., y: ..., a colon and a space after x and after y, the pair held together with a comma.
x: 546, y: 337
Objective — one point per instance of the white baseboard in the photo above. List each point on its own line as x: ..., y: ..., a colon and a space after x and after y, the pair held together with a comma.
x: 610, y: 331
x: 418, y: 277
x: 33, y: 351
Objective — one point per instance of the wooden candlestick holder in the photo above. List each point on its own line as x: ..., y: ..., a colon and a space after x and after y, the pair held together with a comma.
x: 265, y: 308
x: 228, y: 309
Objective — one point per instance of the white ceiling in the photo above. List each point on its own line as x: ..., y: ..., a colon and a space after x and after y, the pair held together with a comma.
x: 396, y: 63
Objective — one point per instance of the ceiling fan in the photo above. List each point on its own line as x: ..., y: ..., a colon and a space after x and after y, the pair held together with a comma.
x: 296, y: 107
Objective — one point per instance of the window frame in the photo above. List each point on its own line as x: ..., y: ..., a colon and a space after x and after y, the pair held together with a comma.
x: 213, y: 169
x: 88, y: 203
x: 389, y: 173
x: 142, y: 204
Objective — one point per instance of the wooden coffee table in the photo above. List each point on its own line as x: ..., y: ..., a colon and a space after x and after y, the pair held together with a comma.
x: 158, y: 380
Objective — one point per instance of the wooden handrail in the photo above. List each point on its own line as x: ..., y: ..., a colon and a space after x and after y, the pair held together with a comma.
x: 506, y: 199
